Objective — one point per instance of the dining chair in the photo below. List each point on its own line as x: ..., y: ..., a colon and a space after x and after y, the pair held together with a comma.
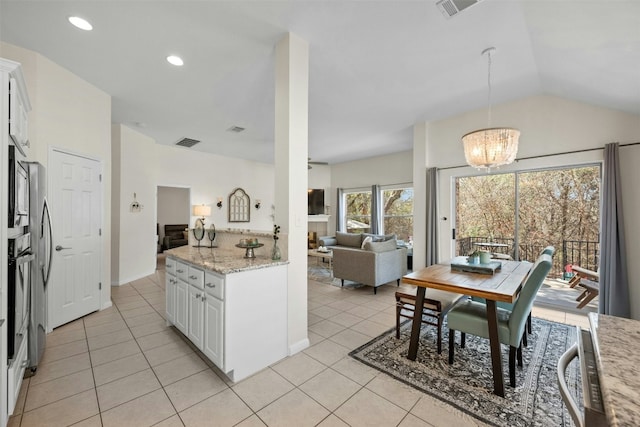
x: 436, y: 305
x: 549, y: 250
x: 471, y: 317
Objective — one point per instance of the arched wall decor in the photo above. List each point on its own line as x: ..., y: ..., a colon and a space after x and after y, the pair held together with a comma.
x: 239, y: 206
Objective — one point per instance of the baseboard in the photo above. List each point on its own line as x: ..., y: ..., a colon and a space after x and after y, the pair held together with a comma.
x: 133, y: 279
x: 298, y: 346
x: 106, y: 305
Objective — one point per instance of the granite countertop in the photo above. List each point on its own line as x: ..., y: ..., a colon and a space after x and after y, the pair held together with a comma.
x: 223, y: 261
x: 617, y: 342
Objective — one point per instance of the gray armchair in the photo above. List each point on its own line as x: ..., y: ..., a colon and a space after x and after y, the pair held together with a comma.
x: 378, y: 263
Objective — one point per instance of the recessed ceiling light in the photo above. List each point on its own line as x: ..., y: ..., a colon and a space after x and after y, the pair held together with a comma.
x: 83, y: 24
x: 175, y: 60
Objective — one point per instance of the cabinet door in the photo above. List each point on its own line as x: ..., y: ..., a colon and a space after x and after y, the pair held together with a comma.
x: 182, y: 305
x: 196, y: 315
x: 214, y: 338
x: 170, y: 290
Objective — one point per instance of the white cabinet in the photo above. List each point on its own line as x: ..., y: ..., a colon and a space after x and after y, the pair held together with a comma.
x: 238, y: 320
x: 170, y: 293
x: 214, y: 318
x: 196, y: 316
x: 18, y: 117
x: 182, y: 306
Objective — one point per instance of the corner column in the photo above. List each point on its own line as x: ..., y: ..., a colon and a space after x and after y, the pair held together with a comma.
x: 291, y: 176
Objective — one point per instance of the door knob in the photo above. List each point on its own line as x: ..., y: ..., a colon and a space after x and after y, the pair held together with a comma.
x: 59, y: 248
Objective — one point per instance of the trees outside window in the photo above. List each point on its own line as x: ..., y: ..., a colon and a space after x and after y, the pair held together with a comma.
x: 358, y: 211
x: 398, y: 212
x: 559, y: 207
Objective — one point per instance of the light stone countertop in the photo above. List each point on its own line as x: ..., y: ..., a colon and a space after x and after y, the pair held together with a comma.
x: 223, y: 261
x: 617, y: 342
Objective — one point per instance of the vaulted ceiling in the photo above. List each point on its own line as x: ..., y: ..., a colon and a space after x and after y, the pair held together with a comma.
x: 376, y: 67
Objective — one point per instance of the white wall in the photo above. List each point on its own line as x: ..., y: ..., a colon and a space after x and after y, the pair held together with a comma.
x: 70, y: 114
x: 173, y: 207
x: 145, y: 165
x: 549, y: 125
x: 394, y: 168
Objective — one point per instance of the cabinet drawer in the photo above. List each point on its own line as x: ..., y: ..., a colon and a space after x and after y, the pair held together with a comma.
x: 182, y: 271
x: 196, y: 277
x: 170, y: 266
x: 214, y: 285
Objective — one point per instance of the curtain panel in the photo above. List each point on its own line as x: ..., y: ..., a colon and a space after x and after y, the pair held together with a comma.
x: 431, y: 238
x: 614, y: 281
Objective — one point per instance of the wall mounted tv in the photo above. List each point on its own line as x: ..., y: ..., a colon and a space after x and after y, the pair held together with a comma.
x: 316, y: 201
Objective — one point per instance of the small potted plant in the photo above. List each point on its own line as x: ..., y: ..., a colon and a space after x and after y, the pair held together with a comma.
x: 474, y: 257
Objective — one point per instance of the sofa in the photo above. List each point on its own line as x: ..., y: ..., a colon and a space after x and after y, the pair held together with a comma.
x: 174, y: 236
x: 372, y: 260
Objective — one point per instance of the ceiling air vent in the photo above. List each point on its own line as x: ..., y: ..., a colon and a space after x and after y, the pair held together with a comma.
x: 450, y: 8
x: 236, y: 129
x: 187, y: 142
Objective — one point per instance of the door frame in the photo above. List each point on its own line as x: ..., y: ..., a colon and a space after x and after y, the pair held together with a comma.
x: 101, y: 302
x: 185, y: 187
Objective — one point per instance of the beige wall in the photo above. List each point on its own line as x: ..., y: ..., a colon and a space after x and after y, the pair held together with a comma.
x: 69, y: 114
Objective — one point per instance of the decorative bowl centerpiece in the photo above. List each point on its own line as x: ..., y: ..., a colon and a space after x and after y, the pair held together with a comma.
x: 249, y: 244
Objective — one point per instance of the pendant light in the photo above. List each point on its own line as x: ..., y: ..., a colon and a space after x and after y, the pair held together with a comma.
x: 490, y: 147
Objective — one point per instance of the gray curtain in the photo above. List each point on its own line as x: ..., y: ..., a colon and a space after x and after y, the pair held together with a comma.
x: 376, y: 210
x: 339, y: 209
x: 614, y: 282
x: 431, y: 238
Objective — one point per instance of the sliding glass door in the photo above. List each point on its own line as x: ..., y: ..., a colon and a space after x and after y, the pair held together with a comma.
x: 518, y: 214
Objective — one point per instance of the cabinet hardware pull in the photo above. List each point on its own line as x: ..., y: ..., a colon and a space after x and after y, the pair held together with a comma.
x: 193, y: 277
x: 180, y: 271
x: 198, y: 296
x: 204, y: 298
x: 209, y: 285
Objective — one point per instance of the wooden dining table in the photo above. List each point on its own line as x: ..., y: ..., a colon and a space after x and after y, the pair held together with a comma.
x: 504, y: 285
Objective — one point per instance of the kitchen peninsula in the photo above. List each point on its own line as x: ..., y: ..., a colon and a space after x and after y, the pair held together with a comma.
x: 234, y: 309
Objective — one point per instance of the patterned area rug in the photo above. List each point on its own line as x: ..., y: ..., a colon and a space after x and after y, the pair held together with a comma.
x: 467, y: 384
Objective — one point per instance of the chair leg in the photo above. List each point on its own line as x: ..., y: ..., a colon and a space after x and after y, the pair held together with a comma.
x: 512, y: 366
x: 524, y: 337
x: 452, y: 337
x: 342, y: 280
x: 463, y: 339
x: 375, y: 290
x: 519, y: 356
x: 398, y: 309
x: 398, y: 282
x: 529, y: 323
x: 439, y: 334
x: 588, y: 299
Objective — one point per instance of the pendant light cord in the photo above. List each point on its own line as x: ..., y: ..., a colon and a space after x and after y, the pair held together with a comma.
x: 489, y: 85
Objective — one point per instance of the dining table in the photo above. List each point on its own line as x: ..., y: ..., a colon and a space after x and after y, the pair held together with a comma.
x: 504, y: 285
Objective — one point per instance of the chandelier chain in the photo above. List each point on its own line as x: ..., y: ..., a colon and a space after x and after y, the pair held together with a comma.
x: 489, y: 85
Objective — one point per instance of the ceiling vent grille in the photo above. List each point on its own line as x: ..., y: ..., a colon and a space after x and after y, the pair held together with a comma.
x: 187, y: 142
x: 451, y: 8
x: 236, y: 129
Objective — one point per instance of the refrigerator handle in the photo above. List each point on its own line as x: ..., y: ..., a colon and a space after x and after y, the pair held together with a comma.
x: 45, y: 210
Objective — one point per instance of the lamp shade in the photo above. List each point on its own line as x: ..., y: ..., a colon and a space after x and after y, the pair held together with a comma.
x: 490, y: 148
x: 202, y: 210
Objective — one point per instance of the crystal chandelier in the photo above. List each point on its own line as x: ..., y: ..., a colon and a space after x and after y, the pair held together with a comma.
x: 490, y: 147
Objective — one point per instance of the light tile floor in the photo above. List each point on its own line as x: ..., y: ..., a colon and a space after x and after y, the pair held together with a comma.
x: 124, y: 367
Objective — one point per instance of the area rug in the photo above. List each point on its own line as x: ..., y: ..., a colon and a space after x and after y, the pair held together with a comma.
x: 467, y: 384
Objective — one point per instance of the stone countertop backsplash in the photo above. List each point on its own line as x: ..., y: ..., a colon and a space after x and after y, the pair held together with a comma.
x: 224, y: 261
x: 617, y: 342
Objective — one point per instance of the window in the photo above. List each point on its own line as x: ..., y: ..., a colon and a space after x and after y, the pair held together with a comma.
x: 398, y: 212
x: 358, y: 211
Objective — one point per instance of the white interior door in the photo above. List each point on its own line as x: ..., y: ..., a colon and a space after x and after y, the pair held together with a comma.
x: 75, y: 198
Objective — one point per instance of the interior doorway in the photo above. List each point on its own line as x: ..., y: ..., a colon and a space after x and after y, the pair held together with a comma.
x: 173, y: 210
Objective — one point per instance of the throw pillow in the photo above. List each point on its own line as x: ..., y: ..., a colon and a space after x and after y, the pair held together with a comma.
x: 349, y: 239
x: 389, y: 245
x: 366, y: 240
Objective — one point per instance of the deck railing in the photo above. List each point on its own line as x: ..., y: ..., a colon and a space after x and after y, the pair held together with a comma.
x: 568, y: 252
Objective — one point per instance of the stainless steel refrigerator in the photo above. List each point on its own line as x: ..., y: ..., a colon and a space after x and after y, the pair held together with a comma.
x: 41, y: 246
